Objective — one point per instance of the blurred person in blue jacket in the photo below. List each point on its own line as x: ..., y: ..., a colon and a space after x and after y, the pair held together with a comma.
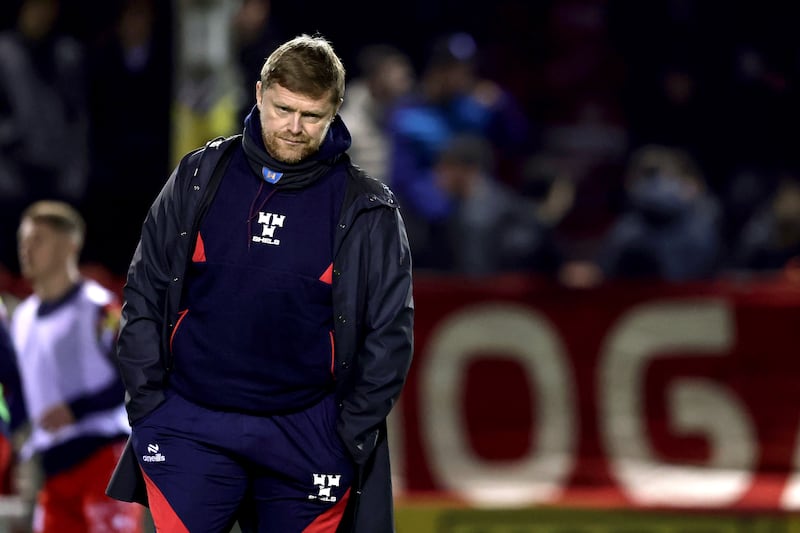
x: 671, y: 228
x: 770, y: 240
x: 386, y: 75
x: 451, y: 98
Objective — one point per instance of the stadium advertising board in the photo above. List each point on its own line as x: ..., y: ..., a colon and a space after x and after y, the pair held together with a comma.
x: 629, y: 395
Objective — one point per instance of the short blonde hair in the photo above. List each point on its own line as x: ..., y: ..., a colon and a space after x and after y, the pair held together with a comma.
x: 59, y: 215
x: 306, y: 65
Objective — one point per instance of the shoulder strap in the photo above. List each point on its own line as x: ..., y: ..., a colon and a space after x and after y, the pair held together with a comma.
x: 214, y: 160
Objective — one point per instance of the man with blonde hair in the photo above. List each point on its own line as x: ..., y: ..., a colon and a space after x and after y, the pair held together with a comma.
x: 267, y: 325
x: 64, y: 334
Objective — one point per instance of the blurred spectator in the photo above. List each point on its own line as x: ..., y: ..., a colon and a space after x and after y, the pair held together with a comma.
x: 43, y: 117
x: 548, y: 193
x: 255, y: 35
x: 580, y: 114
x: 771, y: 238
x: 451, y: 98
x: 744, y: 194
x: 717, y: 96
x: 130, y: 87
x: 671, y: 228
x: 64, y: 334
x: 592, y: 140
x: 386, y: 75
x: 492, y: 228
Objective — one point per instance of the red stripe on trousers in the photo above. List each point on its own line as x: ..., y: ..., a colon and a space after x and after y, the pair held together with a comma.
x: 164, y: 516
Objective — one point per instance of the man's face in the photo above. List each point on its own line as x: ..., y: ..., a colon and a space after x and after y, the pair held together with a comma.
x: 293, y: 125
x: 43, y: 250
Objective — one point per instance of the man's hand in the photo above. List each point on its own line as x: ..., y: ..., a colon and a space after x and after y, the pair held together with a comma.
x: 56, y: 417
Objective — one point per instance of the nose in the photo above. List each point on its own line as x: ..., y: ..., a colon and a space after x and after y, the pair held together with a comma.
x: 294, y: 123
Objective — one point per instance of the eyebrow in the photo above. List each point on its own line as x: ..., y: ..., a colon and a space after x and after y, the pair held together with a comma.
x: 310, y: 112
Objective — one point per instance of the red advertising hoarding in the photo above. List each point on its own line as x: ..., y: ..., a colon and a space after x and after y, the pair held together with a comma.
x: 645, y: 395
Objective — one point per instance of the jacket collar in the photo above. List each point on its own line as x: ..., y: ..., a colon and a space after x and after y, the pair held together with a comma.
x: 298, y: 175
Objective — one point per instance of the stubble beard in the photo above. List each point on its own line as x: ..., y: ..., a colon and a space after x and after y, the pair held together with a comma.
x: 281, y: 152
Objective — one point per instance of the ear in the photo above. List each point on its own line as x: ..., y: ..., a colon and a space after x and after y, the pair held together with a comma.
x: 75, y: 244
x: 258, y: 94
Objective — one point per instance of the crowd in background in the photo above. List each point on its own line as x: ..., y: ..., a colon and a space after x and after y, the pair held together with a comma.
x: 578, y: 139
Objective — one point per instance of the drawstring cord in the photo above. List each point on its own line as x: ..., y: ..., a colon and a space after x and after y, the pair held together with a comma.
x: 252, y: 214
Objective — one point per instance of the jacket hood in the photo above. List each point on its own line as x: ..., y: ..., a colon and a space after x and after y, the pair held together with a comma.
x: 297, y: 175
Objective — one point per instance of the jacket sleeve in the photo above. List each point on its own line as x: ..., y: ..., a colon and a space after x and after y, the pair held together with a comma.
x: 384, y: 357
x: 141, y: 363
x: 12, y: 404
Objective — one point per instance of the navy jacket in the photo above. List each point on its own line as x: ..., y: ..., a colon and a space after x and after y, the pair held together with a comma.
x: 373, y: 322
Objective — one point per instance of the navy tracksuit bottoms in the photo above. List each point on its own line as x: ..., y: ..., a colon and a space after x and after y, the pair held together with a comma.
x: 206, y: 469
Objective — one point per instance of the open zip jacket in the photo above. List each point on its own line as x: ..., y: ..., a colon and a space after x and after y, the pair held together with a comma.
x: 373, y: 322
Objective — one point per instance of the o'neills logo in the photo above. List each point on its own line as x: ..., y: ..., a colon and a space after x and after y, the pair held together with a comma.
x: 155, y: 455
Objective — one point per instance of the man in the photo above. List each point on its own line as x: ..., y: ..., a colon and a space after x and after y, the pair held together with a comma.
x: 492, y: 228
x: 671, y: 227
x: 267, y: 326
x: 451, y: 98
x: 63, y: 336
x: 386, y: 76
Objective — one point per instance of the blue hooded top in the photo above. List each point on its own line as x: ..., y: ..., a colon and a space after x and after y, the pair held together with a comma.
x: 256, y: 327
